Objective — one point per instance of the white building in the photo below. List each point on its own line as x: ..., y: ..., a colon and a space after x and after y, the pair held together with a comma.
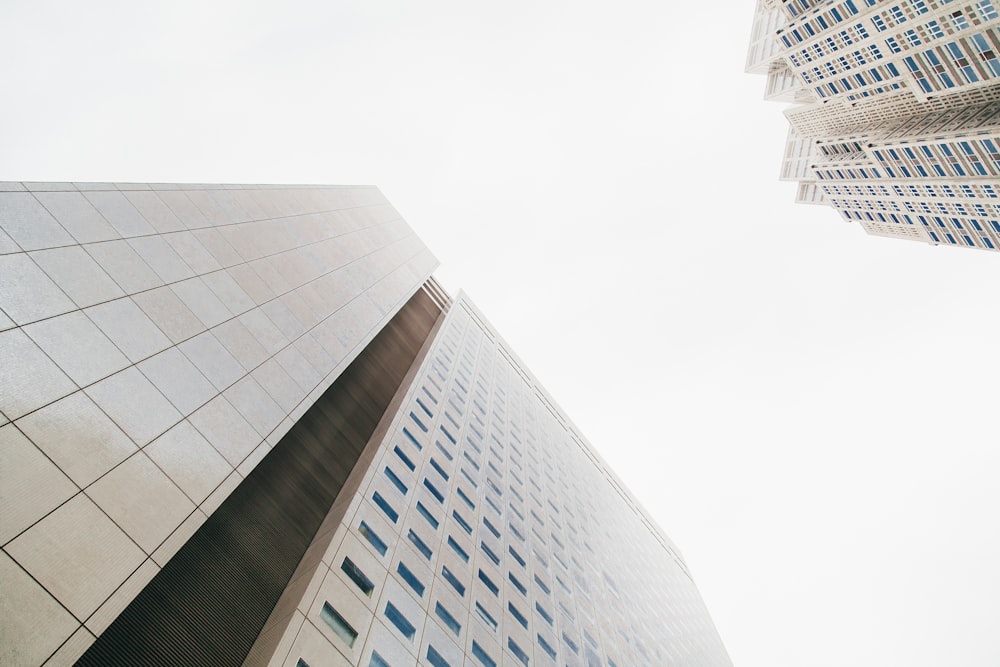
x: 897, y: 116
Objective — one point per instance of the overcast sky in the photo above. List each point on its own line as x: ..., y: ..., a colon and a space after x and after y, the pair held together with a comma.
x: 809, y: 412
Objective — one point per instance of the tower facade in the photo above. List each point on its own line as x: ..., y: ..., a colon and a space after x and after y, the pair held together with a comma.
x: 244, y: 425
x: 896, y: 122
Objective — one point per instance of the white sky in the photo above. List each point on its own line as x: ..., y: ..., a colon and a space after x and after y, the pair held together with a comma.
x: 810, y: 413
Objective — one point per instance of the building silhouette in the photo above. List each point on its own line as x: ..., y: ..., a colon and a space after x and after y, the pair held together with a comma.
x: 896, y: 116
x: 244, y: 425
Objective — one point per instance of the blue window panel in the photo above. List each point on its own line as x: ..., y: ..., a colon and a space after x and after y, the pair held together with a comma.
x: 435, y: 658
x: 489, y: 583
x: 489, y: 553
x: 405, y: 459
x: 396, y: 481
x: 459, y: 550
x: 372, y: 538
x: 434, y: 492
x: 427, y: 515
x: 417, y: 421
x: 453, y: 580
x: 487, y: 618
x: 449, y: 435
x: 338, y: 624
x: 541, y: 585
x: 934, y: 236
x: 426, y: 410
x: 516, y: 556
x: 359, y: 578
x: 412, y: 439
x: 461, y: 522
x: 448, y: 619
x: 444, y: 451
x: 385, y: 507
x: 572, y: 644
x: 489, y: 526
x: 411, y: 579
x: 419, y: 544
x: 518, y: 616
x: 517, y: 651
x: 989, y: 244
x: 544, y: 614
x: 951, y: 239
x: 479, y: 654
x: 968, y: 241
x: 378, y: 661
x: 404, y: 626
x: 436, y: 466
x: 996, y: 225
x: 517, y: 584
x: 545, y: 647
x: 472, y: 505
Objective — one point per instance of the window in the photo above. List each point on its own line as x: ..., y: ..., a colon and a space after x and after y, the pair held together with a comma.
x: 517, y: 651
x: 385, y: 506
x: 517, y: 584
x: 427, y: 515
x: 453, y: 580
x: 419, y: 544
x: 372, y: 538
x: 411, y: 579
x: 462, y: 522
x: 485, y: 615
x: 435, y: 658
x: 355, y: 574
x: 480, y: 655
x: 396, y: 481
x: 434, y: 492
x: 518, y: 616
x: 405, y: 628
x: 545, y: 614
x: 489, y: 583
x: 339, y: 626
x: 404, y: 458
x: 545, y: 647
x: 459, y: 550
x: 448, y: 619
x: 377, y: 661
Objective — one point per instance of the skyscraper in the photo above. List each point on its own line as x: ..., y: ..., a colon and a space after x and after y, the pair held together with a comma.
x: 896, y: 122
x: 245, y: 424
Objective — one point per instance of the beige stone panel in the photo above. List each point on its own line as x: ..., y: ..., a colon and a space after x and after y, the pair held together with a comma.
x: 128, y: 327
x: 223, y: 426
x: 124, y: 265
x: 26, y: 293
x: 78, y: 554
x: 28, y: 378
x: 78, y: 275
x: 32, y: 623
x: 178, y: 379
x: 241, y: 343
x: 115, y: 605
x: 221, y: 493
x: 182, y: 534
x: 189, y: 460
x: 142, y: 500
x: 218, y: 247
x: 255, y: 404
x: 30, y: 485
x: 78, y: 437
x: 120, y: 212
x: 80, y: 349
x: 135, y: 405
x: 169, y: 313
x: 71, y: 651
x: 190, y: 249
x: 155, y: 211
x: 29, y: 224
x: 251, y: 282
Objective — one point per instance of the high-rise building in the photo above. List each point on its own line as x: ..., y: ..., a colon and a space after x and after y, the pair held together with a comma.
x: 896, y: 116
x: 244, y: 425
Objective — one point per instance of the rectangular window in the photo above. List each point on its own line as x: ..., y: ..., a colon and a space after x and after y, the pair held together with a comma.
x: 419, y: 544
x: 459, y: 550
x: 435, y: 658
x: 372, y: 538
x: 453, y: 580
x: 436, y: 466
x: 518, y: 616
x: 409, y: 435
x: 517, y: 584
x: 339, y: 626
x: 542, y: 585
x: 404, y: 458
x: 489, y: 553
x: 465, y: 498
x: 448, y: 619
x: 462, y: 522
x: 480, y: 655
x: 486, y: 522
x: 378, y: 661
x: 485, y: 615
x: 434, y: 492
x: 517, y: 651
x: 396, y: 481
x: 444, y: 451
x: 544, y: 614
x: 427, y: 515
x: 411, y: 579
x: 406, y: 628
x: 385, y: 506
x: 545, y: 647
x: 488, y: 583
x: 355, y: 574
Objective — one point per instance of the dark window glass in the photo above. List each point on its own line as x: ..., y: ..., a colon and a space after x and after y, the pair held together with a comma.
x: 337, y: 623
x: 402, y: 624
x: 355, y: 574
